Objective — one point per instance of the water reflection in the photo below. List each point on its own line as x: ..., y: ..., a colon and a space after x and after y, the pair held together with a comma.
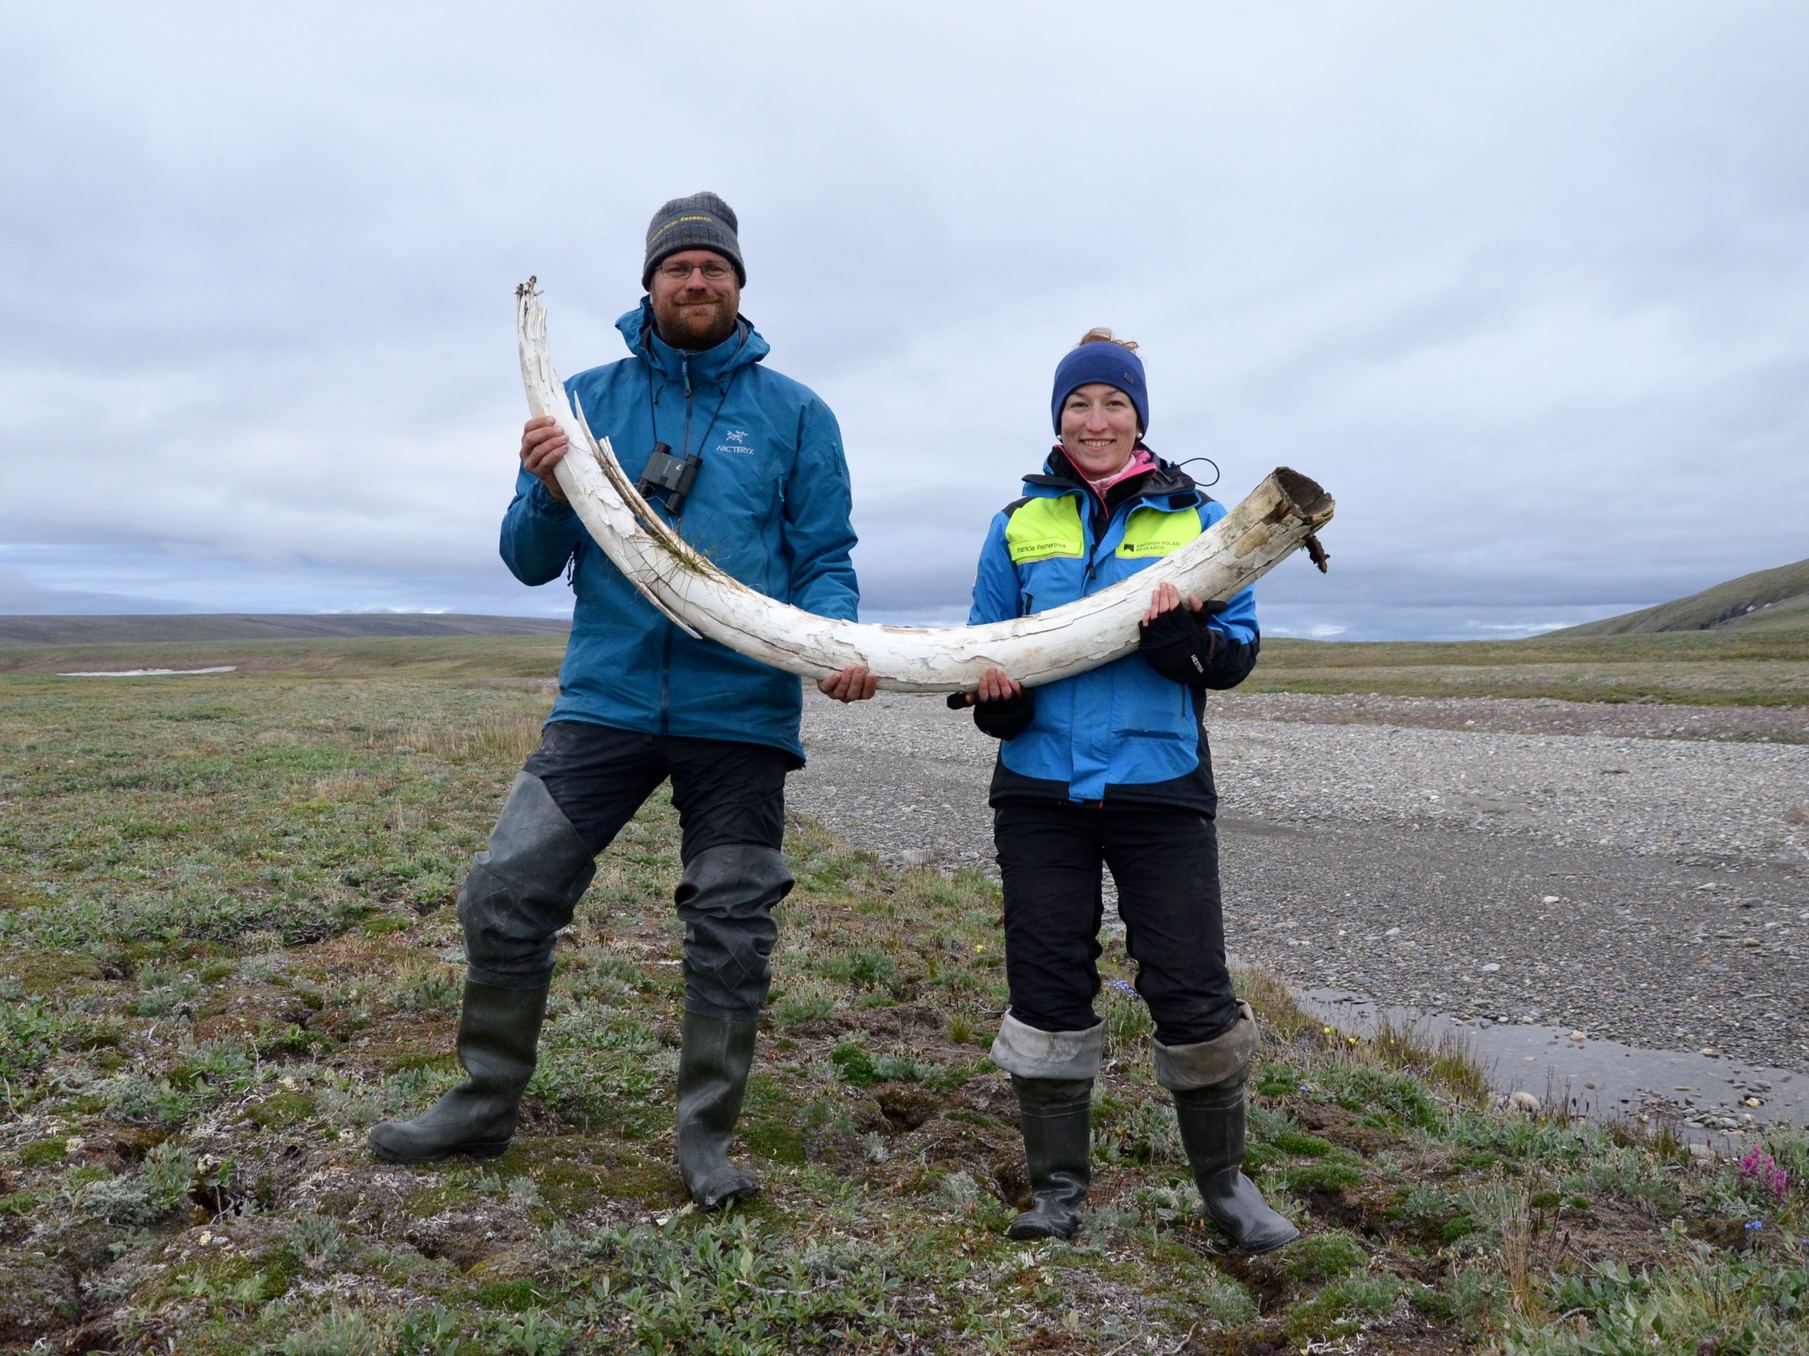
x: 1709, y: 1100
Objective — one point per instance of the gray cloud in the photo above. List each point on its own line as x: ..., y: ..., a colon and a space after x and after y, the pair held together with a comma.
x: 1526, y: 289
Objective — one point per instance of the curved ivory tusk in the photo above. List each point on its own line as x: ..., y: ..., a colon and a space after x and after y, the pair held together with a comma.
x: 1277, y: 517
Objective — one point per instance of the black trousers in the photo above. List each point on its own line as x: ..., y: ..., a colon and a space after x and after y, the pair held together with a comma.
x: 1166, y: 863
x: 725, y: 792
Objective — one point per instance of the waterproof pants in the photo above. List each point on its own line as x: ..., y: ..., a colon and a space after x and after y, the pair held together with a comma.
x: 1165, y: 861
x: 574, y: 795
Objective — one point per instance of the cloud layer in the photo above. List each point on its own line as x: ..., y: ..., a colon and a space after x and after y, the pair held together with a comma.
x: 1524, y: 287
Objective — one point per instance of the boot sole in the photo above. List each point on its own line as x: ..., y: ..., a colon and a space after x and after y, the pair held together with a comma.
x: 1031, y: 1233
x: 1272, y: 1247
x: 740, y: 1194
x: 465, y: 1150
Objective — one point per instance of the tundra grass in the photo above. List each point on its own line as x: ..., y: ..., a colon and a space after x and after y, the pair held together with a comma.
x: 1714, y: 668
x: 227, y: 949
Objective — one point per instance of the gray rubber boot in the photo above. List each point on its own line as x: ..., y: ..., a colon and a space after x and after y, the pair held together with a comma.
x: 498, y: 1032
x: 713, y: 1065
x: 1212, y: 1132
x: 1056, y: 1115
x: 1207, y: 1080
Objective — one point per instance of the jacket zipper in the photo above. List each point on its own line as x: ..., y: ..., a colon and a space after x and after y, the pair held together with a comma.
x: 1086, y: 583
x: 666, y: 655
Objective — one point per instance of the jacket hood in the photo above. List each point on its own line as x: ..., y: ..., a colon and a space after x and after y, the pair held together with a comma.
x: 708, y: 367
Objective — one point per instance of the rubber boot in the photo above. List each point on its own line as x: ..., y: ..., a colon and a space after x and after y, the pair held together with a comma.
x: 498, y: 1032
x: 1056, y: 1114
x: 1212, y: 1132
x: 713, y: 1065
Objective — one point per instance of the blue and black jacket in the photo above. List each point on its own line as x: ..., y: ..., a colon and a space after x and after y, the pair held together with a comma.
x: 1129, y: 731
x: 770, y: 506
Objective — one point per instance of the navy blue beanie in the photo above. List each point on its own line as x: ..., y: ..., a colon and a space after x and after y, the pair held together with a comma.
x: 1101, y: 360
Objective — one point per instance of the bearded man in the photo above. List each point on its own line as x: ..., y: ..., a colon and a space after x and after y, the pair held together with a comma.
x: 758, y: 483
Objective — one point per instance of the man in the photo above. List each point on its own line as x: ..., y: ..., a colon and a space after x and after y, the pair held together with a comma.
x: 747, y: 465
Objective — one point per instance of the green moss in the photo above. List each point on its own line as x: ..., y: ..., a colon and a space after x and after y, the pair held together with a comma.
x: 283, y: 1110
x: 49, y: 972
x: 969, y: 1116
x: 1323, y: 1257
x: 769, y: 1121
x: 454, y: 1191
x: 44, y: 1152
x: 854, y: 1064
x: 1302, y: 1146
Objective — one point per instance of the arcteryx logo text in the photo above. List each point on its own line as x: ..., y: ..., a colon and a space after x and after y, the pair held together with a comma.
x: 737, y: 442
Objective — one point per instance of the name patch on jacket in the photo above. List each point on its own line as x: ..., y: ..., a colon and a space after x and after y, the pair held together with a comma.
x: 1152, y: 532
x: 1043, y: 529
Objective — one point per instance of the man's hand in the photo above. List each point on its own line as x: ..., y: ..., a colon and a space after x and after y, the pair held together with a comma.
x: 1167, y: 598
x: 996, y: 687
x: 852, y: 684
x: 543, y: 443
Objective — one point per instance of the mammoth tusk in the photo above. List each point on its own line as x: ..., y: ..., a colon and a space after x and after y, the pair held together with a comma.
x: 1274, y: 520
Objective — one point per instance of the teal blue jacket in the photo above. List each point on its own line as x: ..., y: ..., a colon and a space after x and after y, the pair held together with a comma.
x: 770, y: 506
x: 1121, y: 732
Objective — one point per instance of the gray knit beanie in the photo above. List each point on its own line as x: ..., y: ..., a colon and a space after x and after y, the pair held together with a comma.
x: 702, y: 221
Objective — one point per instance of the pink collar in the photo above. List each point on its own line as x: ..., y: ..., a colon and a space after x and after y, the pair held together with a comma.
x: 1141, y: 460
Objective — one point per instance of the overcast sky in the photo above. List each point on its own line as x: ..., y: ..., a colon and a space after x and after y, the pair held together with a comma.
x: 1525, y: 286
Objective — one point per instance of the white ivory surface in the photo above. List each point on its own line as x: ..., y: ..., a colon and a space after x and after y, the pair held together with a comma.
x: 1240, y: 548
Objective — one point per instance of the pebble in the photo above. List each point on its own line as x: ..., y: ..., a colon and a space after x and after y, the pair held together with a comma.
x: 1636, y: 720
x: 1330, y: 838
x: 1525, y: 1101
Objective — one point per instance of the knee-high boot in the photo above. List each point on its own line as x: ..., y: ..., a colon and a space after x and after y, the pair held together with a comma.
x: 726, y: 899
x: 713, y: 1066
x: 1056, y: 1116
x: 1207, y: 1080
x: 498, y: 1032
x: 520, y: 891
x: 1052, y: 1073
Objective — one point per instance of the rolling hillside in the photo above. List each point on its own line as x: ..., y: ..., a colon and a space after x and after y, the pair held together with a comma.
x: 1769, y: 599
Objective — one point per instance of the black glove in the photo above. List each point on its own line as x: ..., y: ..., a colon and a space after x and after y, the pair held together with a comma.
x: 1183, y: 647
x: 1002, y: 720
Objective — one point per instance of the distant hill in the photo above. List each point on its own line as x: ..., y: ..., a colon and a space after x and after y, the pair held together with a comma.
x: 1770, y: 599
x: 144, y: 630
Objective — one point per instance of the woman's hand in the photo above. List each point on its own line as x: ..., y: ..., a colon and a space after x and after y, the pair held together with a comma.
x: 1167, y: 598
x: 852, y: 684
x: 996, y: 687
x: 543, y: 444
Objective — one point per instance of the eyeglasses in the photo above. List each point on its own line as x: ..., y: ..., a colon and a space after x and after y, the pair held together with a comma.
x: 713, y: 271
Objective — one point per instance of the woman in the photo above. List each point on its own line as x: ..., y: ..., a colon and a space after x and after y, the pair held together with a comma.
x: 1111, y: 767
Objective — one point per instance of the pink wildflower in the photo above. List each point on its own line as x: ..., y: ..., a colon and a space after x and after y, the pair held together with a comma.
x: 1761, y: 1168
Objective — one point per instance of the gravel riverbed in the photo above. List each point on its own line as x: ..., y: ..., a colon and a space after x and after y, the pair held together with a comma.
x: 1631, y: 885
